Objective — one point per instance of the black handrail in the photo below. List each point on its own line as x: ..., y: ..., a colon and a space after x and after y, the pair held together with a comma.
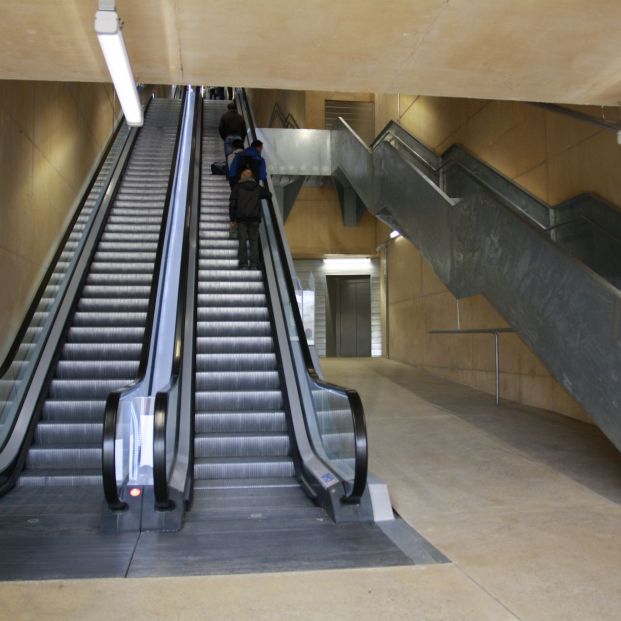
x: 288, y: 121
x: 19, y: 336
x: 160, y: 420
x: 108, y: 454
x: 360, y: 431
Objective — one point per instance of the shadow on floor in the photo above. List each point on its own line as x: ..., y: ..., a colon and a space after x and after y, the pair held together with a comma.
x: 573, y: 448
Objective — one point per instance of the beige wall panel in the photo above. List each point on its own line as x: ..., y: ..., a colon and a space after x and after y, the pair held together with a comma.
x: 315, y: 227
x: 535, y: 181
x: 590, y: 166
x: 417, y: 305
x: 51, y: 134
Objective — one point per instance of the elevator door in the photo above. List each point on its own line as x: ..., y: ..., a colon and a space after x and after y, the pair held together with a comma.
x: 353, y: 315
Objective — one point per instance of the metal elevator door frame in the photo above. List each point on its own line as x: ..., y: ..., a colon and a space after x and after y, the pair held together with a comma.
x: 349, y: 299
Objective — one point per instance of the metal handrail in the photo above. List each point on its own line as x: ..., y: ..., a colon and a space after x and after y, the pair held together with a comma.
x: 111, y: 415
x: 288, y: 121
x: 160, y: 422
x: 496, y: 332
x: 359, y: 424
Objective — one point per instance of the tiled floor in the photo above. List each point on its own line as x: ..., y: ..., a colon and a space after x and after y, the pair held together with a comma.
x: 524, y: 503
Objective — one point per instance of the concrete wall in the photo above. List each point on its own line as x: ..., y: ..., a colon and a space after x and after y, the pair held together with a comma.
x: 315, y: 227
x: 308, y: 107
x: 552, y: 156
x: 50, y: 136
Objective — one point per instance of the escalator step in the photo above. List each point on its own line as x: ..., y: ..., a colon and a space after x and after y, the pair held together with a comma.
x: 57, y: 432
x: 96, y: 369
x: 234, y: 344
x: 233, y: 328
x: 233, y: 362
x: 85, y: 388
x: 240, y: 422
x: 238, y: 381
x: 101, y: 351
x: 61, y: 478
x: 74, y: 411
x: 234, y: 401
x: 241, y: 445
x: 243, y: 468
x: 66, y: 457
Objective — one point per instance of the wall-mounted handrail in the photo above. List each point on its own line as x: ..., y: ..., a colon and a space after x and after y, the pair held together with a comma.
x: 496, y: 332
x: 113, y: 402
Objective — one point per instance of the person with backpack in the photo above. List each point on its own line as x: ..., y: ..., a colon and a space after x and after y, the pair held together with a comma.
x: 250, y: 158
x: 232, y: 127
x: 245, y: 210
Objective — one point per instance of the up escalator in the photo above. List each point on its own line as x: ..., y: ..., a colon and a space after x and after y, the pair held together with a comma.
x: 247, y: 426
x: 241, y: 435
x: 108, y: 328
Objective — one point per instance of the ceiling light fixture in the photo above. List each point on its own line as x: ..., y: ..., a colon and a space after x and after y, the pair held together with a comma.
x: 109, y: 31
x: 394, y: 234
x: 354, y: 263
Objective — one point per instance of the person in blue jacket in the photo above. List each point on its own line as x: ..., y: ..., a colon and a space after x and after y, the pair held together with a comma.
x: 249, y: 158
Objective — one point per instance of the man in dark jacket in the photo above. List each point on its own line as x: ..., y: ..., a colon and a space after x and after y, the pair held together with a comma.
x: 232, y: 127
x: 250, y: 158
x: 245, y: 209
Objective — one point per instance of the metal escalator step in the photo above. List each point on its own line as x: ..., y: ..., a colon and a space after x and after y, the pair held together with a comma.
x: 234, y: 344
x: 99, y: 305
x: 100, y: 267
x: 116, y: 291
x: 234, y: 286
x: 234, y: 362
x: 49, y: 432
x: 125, y: 280
x: 232, y: 299
x: 241, y: 445
x: 101, y: 351
x: 96, y: 369
x: 135, y: 236
x: 237, y: 380
x: 89, y: 389
x: 74, y: 411
x: 135, y: 246
x: 231, y: 485
x: 77, y: 457
x: 221, y: 254
x: 124, y: 257
x: 245, y: 276
x: 238, y: 422
x: 234, y: 401
x: 233, y: 328
x: 61, y: 478
x: 109, y: 318
x: 226, y: 264
x: 105, y: 335
x: 231, y: 313
x: 243, y: 468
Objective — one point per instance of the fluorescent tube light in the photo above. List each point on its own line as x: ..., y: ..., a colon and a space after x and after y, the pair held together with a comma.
x: 394, y: 234
x: 110, y: 35
x: 347, y: 264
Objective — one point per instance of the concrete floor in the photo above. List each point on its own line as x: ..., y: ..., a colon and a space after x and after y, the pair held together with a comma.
x: 526, y: 505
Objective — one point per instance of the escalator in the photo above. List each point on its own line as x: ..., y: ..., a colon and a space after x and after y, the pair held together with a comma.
x: 107, y: 335
x: 241, y: 435
x: 247, y: 425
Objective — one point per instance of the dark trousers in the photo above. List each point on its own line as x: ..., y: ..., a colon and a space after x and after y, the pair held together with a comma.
x: 248, y: 232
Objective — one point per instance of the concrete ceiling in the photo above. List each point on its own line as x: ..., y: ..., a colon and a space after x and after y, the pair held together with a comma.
x: 535, y: 50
